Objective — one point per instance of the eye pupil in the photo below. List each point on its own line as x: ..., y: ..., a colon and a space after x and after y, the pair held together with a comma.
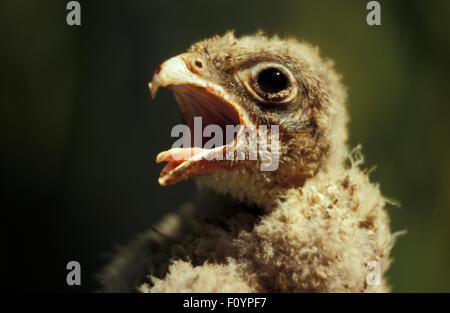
x: 272, y: 80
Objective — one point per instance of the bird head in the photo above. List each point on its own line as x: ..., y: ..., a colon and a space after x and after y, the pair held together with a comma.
x: 278, y: 92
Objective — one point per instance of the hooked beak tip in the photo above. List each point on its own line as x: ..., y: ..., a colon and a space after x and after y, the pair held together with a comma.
x: 153, y: 89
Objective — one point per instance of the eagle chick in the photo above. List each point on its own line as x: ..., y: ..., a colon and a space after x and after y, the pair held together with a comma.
x: 314, y: 224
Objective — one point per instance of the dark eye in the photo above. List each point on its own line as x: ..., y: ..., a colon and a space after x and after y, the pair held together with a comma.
x: 272, y: 80
x: 269, y: 83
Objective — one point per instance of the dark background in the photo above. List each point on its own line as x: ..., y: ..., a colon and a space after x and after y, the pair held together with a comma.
x: 79, y: 133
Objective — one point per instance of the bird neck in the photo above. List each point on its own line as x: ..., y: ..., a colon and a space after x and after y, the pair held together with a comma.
x: 264, y: 191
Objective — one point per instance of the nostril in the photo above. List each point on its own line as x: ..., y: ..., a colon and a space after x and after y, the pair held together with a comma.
x: 195, y: 65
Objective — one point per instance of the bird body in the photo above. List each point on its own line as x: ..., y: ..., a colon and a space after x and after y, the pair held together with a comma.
x: 314, y: 224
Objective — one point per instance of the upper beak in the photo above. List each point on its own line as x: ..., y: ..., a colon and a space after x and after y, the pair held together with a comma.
x: 189, y: 69
x: 178, y: 70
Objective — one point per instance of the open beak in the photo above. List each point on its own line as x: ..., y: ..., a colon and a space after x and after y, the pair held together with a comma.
x: 185, y: 76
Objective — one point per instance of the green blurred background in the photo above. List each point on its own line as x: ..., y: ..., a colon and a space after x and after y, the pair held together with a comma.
x: 79, y: 133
